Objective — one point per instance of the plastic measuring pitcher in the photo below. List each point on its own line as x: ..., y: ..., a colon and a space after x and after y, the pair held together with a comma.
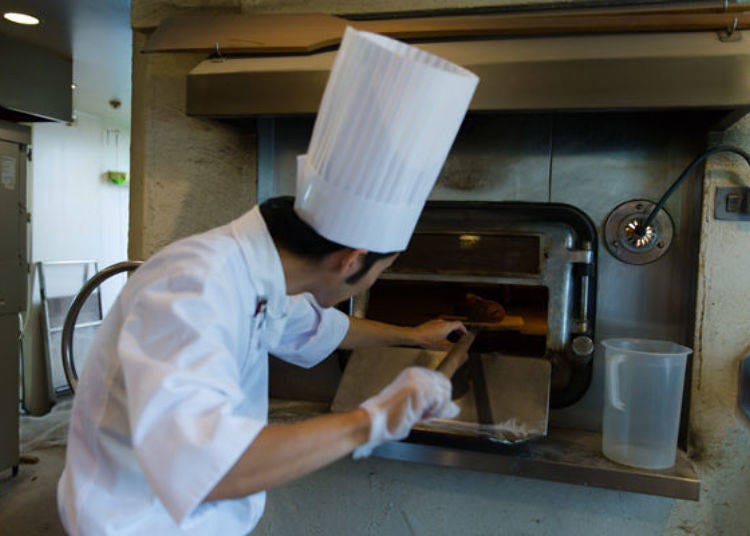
x: 642, y: 401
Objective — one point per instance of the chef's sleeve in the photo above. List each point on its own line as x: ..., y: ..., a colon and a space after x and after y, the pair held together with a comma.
x: 311, y: 332
x: 178, y: 350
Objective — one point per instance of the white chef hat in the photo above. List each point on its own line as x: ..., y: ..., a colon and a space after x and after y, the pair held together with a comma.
x: 388, y: 118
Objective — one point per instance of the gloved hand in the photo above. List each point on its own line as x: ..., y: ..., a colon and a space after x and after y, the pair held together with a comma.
x: 416, y: 394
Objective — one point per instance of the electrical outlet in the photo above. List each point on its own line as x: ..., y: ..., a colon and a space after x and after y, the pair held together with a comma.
x: 732, y: 203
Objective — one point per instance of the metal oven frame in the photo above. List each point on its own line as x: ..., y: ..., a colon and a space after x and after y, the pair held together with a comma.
x: 567, y: 267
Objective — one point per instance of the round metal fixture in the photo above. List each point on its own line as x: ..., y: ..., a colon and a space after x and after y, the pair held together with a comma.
x: 626, y: 239
x: 582, y: 346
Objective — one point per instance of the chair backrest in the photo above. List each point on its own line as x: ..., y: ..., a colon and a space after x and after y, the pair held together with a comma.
x: 71, y: 319
x: 59, y: 281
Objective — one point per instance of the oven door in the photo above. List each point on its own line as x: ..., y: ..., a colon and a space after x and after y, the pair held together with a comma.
x: 537, y: 259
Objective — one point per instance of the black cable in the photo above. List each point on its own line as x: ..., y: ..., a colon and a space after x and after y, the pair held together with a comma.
x: 686, y: 173
x: 641, y: 230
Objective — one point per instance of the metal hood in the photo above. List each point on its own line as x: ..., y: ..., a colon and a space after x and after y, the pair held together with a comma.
x: 584, y: 72
x: 35, y: 84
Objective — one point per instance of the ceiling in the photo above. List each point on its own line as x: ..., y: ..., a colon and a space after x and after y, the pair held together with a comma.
x: 96, y: 35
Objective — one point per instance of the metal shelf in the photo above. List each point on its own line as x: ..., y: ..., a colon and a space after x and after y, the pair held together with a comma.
x: 91, y: 324
x: 570, y: 456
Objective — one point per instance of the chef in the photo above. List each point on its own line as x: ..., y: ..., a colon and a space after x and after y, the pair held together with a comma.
x: 169, y: 431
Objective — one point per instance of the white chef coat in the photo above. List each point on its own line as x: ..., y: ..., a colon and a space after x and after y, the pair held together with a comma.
x: 175, y: 387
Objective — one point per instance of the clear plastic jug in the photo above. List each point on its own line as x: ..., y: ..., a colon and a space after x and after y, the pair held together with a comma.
x: 642, y: 401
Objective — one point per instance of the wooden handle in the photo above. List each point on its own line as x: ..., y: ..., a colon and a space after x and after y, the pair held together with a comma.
x: 509, y: 323
x: 457, y: 355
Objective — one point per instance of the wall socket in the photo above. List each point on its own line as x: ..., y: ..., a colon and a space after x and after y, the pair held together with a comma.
x: 732, y: 203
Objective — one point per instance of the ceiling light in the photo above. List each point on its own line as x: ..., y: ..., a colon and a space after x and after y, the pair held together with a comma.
x: 21, y: 18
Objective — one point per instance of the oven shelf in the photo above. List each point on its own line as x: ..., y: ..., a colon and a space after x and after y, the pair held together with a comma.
x: 571, y: 456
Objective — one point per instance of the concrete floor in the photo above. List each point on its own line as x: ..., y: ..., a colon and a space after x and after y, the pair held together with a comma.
x: 28, y: 504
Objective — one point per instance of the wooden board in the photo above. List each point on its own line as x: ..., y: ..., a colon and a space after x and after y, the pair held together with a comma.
x: 146, y: 16
x: 508, y: 402
x: 369, y: 370
x: 297, y: 34
x: 509, y: 323
x: 246, y: 33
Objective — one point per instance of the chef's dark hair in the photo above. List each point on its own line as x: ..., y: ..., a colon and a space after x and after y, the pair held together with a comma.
x: 290, y: 232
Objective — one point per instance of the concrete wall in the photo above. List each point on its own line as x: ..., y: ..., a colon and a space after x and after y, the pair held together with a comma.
x: 188, y: 174
x: 719, y: 433
x: 77, y: 214
x: 191, y: 174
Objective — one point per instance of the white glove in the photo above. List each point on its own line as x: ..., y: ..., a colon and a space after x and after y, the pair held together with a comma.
x: 416, y: 394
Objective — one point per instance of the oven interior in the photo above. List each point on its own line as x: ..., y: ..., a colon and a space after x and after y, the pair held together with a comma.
x: 409, y: 303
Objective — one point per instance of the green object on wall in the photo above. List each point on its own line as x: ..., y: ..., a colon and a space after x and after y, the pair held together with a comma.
x: 118, y: 177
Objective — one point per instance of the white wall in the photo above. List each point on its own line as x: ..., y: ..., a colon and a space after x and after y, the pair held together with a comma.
x: 77, y: 213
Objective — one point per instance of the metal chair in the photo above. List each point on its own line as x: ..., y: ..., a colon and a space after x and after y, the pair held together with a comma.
x: 68, y: 360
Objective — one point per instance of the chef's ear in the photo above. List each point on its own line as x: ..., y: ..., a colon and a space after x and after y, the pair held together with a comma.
x: 351, y: 261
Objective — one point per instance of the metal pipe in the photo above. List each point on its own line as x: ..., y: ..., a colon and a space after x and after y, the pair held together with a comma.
x: 583, y: 321
x: 71, y: 375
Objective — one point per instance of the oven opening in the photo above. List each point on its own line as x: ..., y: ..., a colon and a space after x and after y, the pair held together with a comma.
x: 409, y: 303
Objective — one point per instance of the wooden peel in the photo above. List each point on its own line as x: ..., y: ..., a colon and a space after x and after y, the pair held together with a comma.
x: 457, y: 355
x: 482, y: 312
x: 509, y: 323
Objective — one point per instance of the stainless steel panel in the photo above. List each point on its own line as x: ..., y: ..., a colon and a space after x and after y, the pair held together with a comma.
x: 497, y: 159
x: 570, y: 456
x: 8, y: 391
x: 491, y: 160
x: 13, y: 281
x: 35, y: 81
x: 600, y: 161
x: 486, y: 254
x: 13, y: 224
